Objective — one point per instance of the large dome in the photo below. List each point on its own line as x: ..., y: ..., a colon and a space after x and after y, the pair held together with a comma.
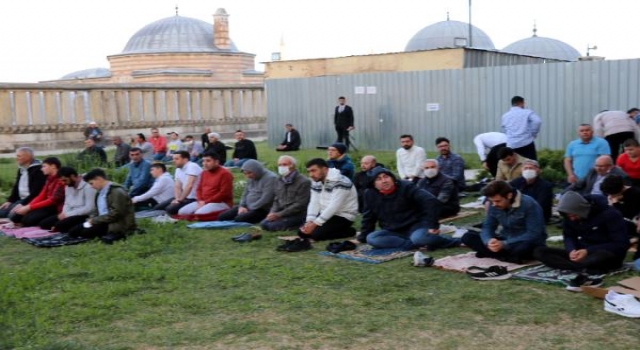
x: 543, y: 47
x: 445, y: 34
x: 88, y: 73
x: 174, y: 34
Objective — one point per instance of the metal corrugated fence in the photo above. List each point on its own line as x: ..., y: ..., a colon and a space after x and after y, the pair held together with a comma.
x: 468, y: 101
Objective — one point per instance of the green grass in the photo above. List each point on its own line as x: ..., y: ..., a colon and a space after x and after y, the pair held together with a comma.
x: 180, y: 288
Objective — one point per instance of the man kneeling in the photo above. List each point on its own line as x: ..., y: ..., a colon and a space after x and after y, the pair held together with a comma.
x: 114, y: 217
x: 522, y: 223
x: 408, y: 216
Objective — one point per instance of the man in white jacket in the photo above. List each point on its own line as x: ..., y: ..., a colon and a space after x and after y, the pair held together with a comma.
x: 333, y: 206
x: 409, y: 159
x: 616, y: 127
x: 79, y: 202
x: 160, y: 193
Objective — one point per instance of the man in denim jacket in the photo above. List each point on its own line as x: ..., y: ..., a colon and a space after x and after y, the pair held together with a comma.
x: 523, y: 227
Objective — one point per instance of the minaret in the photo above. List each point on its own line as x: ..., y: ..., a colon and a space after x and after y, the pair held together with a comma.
x: 221, y: 38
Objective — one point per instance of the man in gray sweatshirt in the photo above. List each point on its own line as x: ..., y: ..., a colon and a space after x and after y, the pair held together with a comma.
x: 257, y: 197
x: 79, y: 202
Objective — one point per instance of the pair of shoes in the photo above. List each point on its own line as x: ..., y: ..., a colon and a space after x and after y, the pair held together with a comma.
x: 495, y: 272
x: 622, y: 304
x: 246, y: 237
x: 295, y: 245
x: 337, y: 247
x: 582, y: 280
x: 112, y: 237
x: 421, y: 260
x: 362, y: 238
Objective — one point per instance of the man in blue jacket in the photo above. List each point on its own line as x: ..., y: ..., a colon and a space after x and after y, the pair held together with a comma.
x: 595, y: 236
x: 408, y: 216
x: 139, y: 179
x: 522, y: 222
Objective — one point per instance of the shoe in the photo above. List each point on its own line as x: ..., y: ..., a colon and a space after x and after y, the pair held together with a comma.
x: 582, y: 280
x: 491, y: 273
x: 286, y: 244
x: 622, y: 304
x: 246, y: 237
x: 298, y: 245
x: 112, y: 237
x: 164, y: 219
x: 337, y: 247
x: 421, y: 260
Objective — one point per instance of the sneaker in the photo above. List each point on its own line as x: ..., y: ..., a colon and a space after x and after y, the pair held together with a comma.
x: 582, y: 280
x: 491, y: 273
x: 622, y: 304
x: 421, y: 260
x: 298, y: 245
x: 283, y: 247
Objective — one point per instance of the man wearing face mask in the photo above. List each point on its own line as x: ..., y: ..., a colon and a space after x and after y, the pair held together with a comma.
x: 535, y: 187
x: 292, y: 193
x: 441, y: 186
x: 194, y: 148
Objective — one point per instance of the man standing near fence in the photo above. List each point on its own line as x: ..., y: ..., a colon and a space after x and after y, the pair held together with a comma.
x: 343, y: 120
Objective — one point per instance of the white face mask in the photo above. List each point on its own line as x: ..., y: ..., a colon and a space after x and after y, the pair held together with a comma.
x: 529, y: 174
x: 430, y: 173
x: 283, y: 170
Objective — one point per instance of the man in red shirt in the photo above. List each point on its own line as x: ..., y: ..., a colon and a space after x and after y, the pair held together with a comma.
x: 159, y: 144
x: 629, y: 161
x: 215, y: 188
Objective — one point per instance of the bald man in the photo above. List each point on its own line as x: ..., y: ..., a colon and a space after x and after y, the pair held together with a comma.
x: 590, y: 184
x: 362, y: 179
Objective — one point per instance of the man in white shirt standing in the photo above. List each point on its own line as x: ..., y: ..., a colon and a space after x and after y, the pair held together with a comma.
x: 186, y: 177
x: 410, y: 159
x: 521, y: 126
x: 160, y: 195
x: 487, y: 145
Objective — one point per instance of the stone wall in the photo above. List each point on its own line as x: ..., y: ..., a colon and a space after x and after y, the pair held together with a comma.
x: 53, y: 116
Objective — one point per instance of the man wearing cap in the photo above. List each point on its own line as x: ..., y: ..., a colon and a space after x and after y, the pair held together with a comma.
x: 92, y: 131
x: 595, y: 236
x: 159, y: 144
x: 291, y: 197
x: 407, y: 215
x: 531, y: 184
x: 257, y: 196
x: 243, y: 150
x: 341, y: 161
x: 291, y: 140
x: 343, y: 121
x: 522, y: 223
x: 216, y: 146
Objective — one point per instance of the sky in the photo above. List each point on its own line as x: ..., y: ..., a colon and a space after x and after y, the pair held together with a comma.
x: 44, y: 39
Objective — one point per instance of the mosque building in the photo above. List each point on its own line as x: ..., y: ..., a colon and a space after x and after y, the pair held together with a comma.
x: 177, y: 49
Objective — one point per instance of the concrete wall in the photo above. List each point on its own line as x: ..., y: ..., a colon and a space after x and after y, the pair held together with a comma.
x: 50, y: 116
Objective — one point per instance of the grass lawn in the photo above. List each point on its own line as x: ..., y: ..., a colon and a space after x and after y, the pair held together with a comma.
x: 180, y: 288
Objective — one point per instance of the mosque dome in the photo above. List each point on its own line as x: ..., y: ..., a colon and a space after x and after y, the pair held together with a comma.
x: 88, y: 73
x: 449, y: 34
x: 174, y: 34
x: 543, y: 47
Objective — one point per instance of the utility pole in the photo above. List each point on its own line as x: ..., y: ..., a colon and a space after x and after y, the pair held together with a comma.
x: 470, y: 27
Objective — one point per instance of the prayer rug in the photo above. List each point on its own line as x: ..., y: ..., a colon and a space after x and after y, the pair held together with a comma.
x: 460, y: 215
x: 57, y: 240
x: 219, y: 224
x: 27, y: 232
x: 546, y: 274
x: 368, y: 254
x: 461, y: 262
x: 149, y: 213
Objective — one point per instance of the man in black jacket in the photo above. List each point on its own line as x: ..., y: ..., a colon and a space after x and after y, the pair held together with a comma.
x: 291, y: 140
x: 343, y: 120
x: 531, y: 184
x: 244, y: 150
x: 441, y: 186
x: 408, y: 216
x: 29, y: 181
x: 362, y: 179
x: 216, y: 146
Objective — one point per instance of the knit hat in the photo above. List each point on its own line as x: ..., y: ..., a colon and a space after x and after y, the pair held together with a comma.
x: 573, y: 203
x: 380, y: 170
x: 340, y: 147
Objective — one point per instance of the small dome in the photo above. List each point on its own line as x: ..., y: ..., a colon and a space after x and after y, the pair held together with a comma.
x: 543, y: 47
x: 174, y: 34
x: 88, y: 73
x: 444, y: 35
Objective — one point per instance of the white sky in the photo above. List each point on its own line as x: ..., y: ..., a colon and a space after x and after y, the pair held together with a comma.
x: 45, y: 39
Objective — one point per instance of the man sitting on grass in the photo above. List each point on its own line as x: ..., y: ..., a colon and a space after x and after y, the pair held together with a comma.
x: 214, y: 192
x: 522, y: 222
x: 341, y: 161
x: 595, y: 236
x: 114, y: 216
x: 138, y: 180
x: 79, y: 202
x: 28, y: 182
x: 257, y: 197
x: 441, y: 186
x: 291, y: 197
x: 408, y: 215
x: 160, y: 195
